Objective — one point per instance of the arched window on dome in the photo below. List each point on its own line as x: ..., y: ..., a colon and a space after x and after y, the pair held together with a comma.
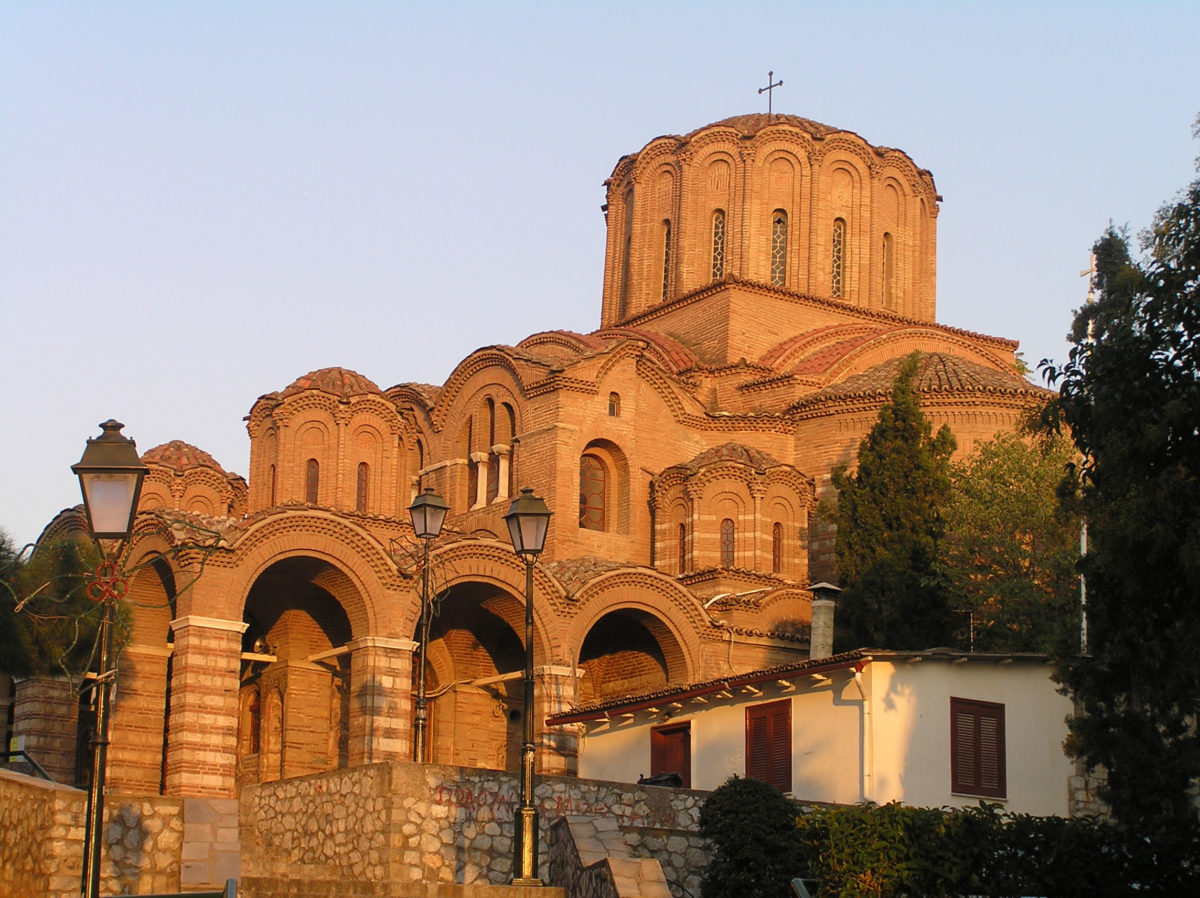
x: 727, y: 542
x: 593, y: 484
x: 776, y: 548
x: 271, y: 475
x: 361, y: 486
x: 718, y: 244
x: 888, y: 272
x: 312, y: 481
x: 614, y: 405
x: 683, y: 549
x: 778, y: 248
x: 666, y: 257
x: 837, y: 263
x: 625, y: 261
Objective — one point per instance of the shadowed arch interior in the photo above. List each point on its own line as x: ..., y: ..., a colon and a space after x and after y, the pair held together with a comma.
x: 628, y: 651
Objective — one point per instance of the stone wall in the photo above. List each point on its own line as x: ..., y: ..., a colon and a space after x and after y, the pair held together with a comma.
x: 42, y: 833
x: 372, y: 827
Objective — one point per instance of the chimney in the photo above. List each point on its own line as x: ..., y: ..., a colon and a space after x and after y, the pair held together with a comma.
x: 823, y: 604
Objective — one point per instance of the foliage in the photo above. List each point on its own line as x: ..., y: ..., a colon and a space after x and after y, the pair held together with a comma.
x: 751, y: 828
x: 1129, y: 395
x: 50, y: 623
x: 889, y: 522
x: 893, y: 850
x: 1011, y: 548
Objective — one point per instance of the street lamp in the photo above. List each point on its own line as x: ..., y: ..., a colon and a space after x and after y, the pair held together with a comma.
x: 527, y: 519
x: 428, y: 513
x: 110, y: 477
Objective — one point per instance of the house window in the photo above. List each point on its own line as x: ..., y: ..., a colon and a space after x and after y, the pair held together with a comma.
x: 671, y: 751
x: 614, y: 405
x: 977, y: 764
x: 839, y: 255
x: 312, y: 480
x: 769, y: 744
x: 779, y: 248
x: 592, y: 482
x: 718, y: 245
x: 666, y: 271
x: 360, y: 491
x: 727, y: 542
x: 776, y: 548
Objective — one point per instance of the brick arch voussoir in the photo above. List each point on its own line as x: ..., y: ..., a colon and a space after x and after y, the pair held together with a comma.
x: 662, y: 598
x: 493, y: 563
x: 363, y: 562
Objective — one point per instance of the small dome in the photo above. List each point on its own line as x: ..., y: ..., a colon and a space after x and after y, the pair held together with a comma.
x: 938, y: 373
x: 180, y: 456
x: 735, y: 452
x: 337, y: 381
x: 751, y: 123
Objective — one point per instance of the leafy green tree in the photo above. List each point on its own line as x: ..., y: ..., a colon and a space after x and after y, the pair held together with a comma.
x: 47, y: 622
x: 889, y: 521
x: 755, y: 846
x: 1129, y: 395
x: 1011, y: 549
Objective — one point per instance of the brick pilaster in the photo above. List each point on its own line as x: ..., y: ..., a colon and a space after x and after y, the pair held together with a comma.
x: 380, y: 699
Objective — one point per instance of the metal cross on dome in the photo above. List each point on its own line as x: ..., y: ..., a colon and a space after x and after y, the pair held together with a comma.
x: 771, y: 85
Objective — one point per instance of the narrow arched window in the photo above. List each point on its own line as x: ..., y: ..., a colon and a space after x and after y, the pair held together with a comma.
x: 666, y: 254
x: 682, y: 549
x: 718, y: 245
x: 360, y: 488
x: 888, y: 271
x: 776, y: 548
x: 614, y: 405
x: 625, y: 261
x: 592, y: 482
x: 272, y: 476
x: 493, y: 476
x: 778, y: 248
x: 839, y: 255
x: 312, y: 481
x: 727, y: 542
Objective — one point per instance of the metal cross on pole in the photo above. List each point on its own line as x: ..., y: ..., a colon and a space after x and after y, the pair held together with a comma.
x: 771, y: 85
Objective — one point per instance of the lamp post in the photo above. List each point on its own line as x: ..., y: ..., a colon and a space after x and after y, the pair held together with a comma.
x: 110, y: 477
x: 428, y: 513
x: 527, y: 519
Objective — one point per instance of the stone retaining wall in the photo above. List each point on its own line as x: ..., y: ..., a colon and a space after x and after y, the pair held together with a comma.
x: 42, y: 833
x: 396, y: 822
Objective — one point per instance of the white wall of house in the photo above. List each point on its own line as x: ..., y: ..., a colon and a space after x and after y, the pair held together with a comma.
x: 894, y: 745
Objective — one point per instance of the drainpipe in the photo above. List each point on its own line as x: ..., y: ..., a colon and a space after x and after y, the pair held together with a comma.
x: 868, y: 740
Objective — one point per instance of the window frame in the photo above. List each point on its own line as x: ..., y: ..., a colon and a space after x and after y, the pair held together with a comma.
x: 593, y: 503
x: 769, y: 743
x: 970, y: 736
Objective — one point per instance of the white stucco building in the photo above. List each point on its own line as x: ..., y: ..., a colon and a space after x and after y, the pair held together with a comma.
x: 933, y: 728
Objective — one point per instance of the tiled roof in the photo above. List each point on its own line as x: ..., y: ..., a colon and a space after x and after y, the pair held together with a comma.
x: 751, y: 123
x: 336, y: 381
x: 181, y: 456
x: 573, y: 573
x: 938, y: 373
x: 734, y: 452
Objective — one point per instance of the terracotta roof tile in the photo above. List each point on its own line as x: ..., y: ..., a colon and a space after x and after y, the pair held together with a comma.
x: 181, y: 456
x: 336, y: 381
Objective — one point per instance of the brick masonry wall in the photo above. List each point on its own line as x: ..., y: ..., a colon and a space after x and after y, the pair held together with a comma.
x: 391, y: 823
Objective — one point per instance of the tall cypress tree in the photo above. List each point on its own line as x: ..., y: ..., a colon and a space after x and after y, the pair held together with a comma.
x: 889, y: 521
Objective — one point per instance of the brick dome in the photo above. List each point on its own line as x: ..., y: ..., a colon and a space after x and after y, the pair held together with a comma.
x: 181, y: 456
x: 336, y: 381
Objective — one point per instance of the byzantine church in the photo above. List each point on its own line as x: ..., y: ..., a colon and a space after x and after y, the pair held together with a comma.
x: 764, y: 278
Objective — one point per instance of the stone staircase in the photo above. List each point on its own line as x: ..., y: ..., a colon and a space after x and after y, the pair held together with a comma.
x: 591, y: 857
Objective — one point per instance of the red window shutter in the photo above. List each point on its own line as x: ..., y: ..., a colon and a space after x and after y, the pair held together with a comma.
x: 769, y: 744
x: 977, y: 751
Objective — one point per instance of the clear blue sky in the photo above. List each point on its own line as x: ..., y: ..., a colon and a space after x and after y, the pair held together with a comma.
x: 199, y: 202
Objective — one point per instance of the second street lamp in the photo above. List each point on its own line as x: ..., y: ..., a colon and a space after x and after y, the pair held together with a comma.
x: 428, y: 513
x: 528, y: 519
x: 110, y: 477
